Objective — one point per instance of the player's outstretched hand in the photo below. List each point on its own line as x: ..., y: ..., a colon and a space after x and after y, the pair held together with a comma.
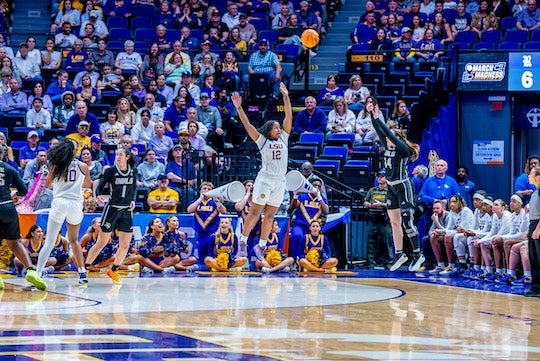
x: 236, y: 100
x: 283, y: 89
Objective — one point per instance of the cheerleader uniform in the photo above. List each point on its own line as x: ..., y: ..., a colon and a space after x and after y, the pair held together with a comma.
x: 206, y: 224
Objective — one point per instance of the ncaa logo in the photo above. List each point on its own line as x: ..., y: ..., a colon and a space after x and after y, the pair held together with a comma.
x: 533, y: 116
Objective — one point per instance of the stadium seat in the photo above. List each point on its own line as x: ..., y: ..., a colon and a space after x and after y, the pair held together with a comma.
x: 428, y: 66
x: 516, y: 36
x: 302, y: 153
x: 144, y: 34
x: 356, y: 174
x: 493, y: 36
x: 270, y: 35
x: 484, y: 45
x: 468, y: 37
x: 360, y: 48
x: 535, y: 35
x: 532, y: 45
x: 141, y: 22
x: 387, y: 101
x: 120, y: 34
x: 508, y: 23
x: 382, y: 67
x: 373, y: 78
x: 402, y: 67
x: 328, y: 167
x: 342, y: 139
x: 398, y: 77
x: 143, y: 11
x: 290, y: 52
x: 335, y: 152
x: 392, y: 90
x: 311, y: 139
x: 117, y: 22
x: 509, y: 45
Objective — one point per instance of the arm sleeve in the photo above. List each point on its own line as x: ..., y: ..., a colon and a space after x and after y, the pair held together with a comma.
x: 107, y: 178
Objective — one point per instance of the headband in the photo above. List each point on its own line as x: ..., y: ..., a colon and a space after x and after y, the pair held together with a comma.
x: 517, y: 199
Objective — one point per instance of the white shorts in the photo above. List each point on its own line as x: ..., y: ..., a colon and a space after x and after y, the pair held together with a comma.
x: 268, y: 190
x: 66, y: 209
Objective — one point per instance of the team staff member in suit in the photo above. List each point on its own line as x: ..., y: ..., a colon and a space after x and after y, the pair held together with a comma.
x: 206, y: 211
x: 272, y: 141
x: 9, y: 221
x: 67, y: 177
x: 401, y: 199
x: 117, y: 214
x: 534, y: 234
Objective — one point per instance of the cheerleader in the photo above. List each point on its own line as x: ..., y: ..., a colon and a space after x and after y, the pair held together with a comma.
x: 317, y: 252
x: 272, y: 259
x: 222, y: 250
x: 33, y: 243
x: 242, y: 209
x: 60, y: 252
x: 68, y: 177
x: 206, y: 211
x: 308, y: 207
x: 175, y: 243
x: 401, y: 198
x: 272, y: 140
x: 117, y: 214
x: 152, y: 250
x: 106, y: 256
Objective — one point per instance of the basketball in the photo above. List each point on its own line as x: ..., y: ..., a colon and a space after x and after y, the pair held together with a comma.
x: 310, y: 38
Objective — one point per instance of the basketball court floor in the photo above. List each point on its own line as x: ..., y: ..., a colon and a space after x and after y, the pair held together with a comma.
x: 360, y: 315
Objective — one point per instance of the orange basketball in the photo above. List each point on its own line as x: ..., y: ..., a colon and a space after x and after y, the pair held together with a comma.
x: 310, y: 38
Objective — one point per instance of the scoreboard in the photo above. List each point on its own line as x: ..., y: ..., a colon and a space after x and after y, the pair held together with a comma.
x: 524, y: 71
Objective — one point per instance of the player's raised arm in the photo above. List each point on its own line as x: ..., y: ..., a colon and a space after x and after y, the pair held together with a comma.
x: 250, y: 129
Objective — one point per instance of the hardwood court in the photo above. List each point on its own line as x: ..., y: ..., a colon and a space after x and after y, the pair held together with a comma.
x: 348, y: 316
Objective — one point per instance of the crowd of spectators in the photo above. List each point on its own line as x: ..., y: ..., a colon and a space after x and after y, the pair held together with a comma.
x: 418, y: 31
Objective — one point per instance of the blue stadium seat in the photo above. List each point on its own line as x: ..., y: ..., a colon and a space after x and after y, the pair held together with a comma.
x: 144, y: 34
x: 459, y: 46
x: 115, y: 45
x: 509, y: 45
x: 290, y: 52
x: 468, y: 37
x: 328, y: 167
x: 364, y: 152
x: 382, y: 67
x: 360, y: 48
x: 141, y: 148
x: 535, y: 35
x: 492, y: 36
x: 143, y: 22
x: 508, y: 23
x: 335, y: 152
x: 302, y: 153
x: 341, y: 139
x: 270, y: 35
x: 117, y: 22
x: 120, y: 34
x: 356, y: 174
x: 392, y: 90
x: 197, y: 33
x: 532, y: 45
x: 172, y: 35
x: 516, y: 36
x: 143, y: 10
x: 18, y: 144
x: 387, y: 101
x: 484, y: 45
x: 373, y: 78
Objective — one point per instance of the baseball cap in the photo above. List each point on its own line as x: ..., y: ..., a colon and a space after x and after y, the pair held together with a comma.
x: 95, y: 138
x: 381, y: 173
x: 205, y: 95
x: 186, y: 73
x: 32, y: 133
x: 183, y: 132
x: 242, y: 16
x: 83, y: 122
x: 406, y: 29
x: 206, y: 42
x: 94, y: 14
x: 177, y: 146
x: 89, y: 61
x: 162, y: 176
x: 23, y: 44
x: 215, y: 12
x: 265, y: 41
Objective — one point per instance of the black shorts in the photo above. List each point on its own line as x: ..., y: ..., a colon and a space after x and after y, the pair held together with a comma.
x: 116, y: 218
x: 401, y: 195
x: 9, y: 222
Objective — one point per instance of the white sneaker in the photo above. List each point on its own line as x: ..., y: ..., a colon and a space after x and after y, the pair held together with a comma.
x: 265, y: 270
x: 286, y: 270
x: 134, y: 267
x: 416, y: 262
x: 192, y: 268
x: 169, y: 270
x: 147, y: 270
x: 398, y: 262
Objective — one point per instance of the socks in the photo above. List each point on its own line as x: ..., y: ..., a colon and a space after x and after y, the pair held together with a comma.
x: 81, y: 270
x: 243, y: 239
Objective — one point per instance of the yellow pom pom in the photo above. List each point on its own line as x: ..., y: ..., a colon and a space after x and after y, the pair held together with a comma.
x: 273, y: 257
x: 310, y: 38
x: 222, y: 260
x: 313, y: 257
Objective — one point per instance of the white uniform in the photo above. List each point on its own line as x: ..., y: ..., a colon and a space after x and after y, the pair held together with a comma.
x: 269, y: 185
x: 67, y: 196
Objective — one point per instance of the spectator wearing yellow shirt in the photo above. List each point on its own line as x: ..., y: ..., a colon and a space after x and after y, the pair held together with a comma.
x: 81, y: 137
x: 163, y: 199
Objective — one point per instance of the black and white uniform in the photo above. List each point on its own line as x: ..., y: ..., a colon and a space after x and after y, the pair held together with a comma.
x: 123, y: 186
x: 9, y: 220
